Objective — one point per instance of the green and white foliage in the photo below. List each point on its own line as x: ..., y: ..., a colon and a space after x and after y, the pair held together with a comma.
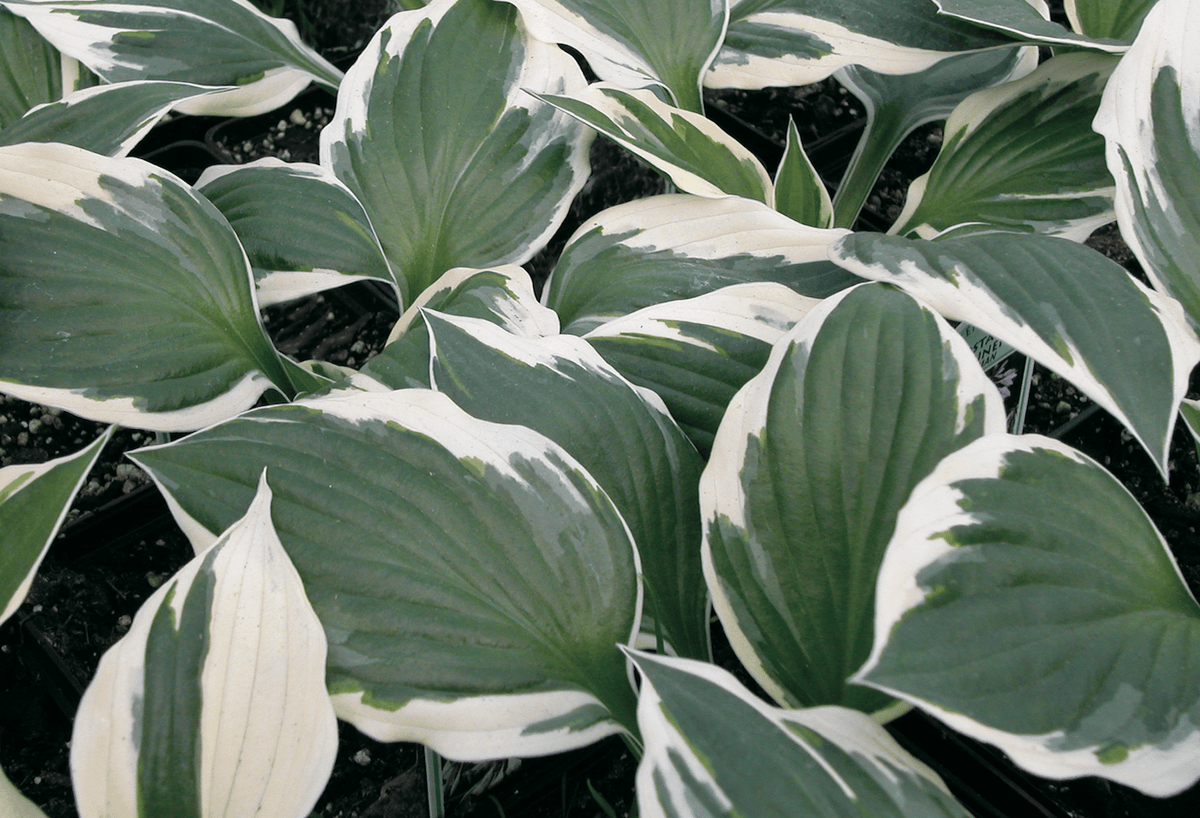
x: 472, y: 577
x: 696, y: 155
x: 1151, y: 122
x: 696, y: 353
x: 33, y: 503
x: 104, y: 119
x: 1021, y: 156
x: 126, y: 297
x: 635, y: 44
x: 502, y: 295
x: 665, y: 248
x: 1077, y: 313
x: 214, y: 703
x: 800, y: 193
x: 1116, y: 19
x: 1028, y: 601
x: 454, y: 161
x: 714, y: 750
x: 205, y: 42
x: 1026, y: 22
x: 322, y: 239
x: 796, y: 42
x: 562, y: 388
x: 812, y: 462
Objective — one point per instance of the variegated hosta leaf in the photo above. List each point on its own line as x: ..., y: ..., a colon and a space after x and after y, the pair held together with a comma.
x: 1028, y: 601
x: 15, y: 805
x: 30, y: 68
x: 635, y: 43
x: 1024, y: 23
x: 206, y: 42
x: 665, y: 248
x: 503, y: 295
x: 321, y: 239
x: 697, y: 352
x: 455, y: 164
x: 713, y: 750
x: 800, y: 193
x: 1151, y: 122
x: 1118, y: 19
x: 125, y: 297
x: 898, y: 104
x: 33, y: 502
x: 1077, y: 313
x: 214, y: 703
x: 812, y: 462
x: 1021, y: 156
x: 687, y: 148
x: 625, y: 438
x: 472, y: 578
x: 797, y: 42
x: 105, y: 119
x: 1190, y: 411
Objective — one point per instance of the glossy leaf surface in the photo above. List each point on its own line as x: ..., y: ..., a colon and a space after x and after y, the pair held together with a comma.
x: 126, y: 298
x: 472, y: 578
x: 812, y: 462
x: 1028, y: 601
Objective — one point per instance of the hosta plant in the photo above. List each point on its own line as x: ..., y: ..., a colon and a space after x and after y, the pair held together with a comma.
x: 507, y: 533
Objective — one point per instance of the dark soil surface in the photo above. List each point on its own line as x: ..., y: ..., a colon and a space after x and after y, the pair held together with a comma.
x: 119, y: 542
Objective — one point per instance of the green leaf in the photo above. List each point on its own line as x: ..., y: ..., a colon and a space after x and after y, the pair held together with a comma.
x: 625, y: 438
x: 1024, y: 23
x: 812, y: 462
x: 665, y: 248
x: 1028, y: 601
x: 1022, y: 157
x: 1115, y: 19
x: 1189, y: 410
x: 688, y: 149
x: 1063, y: 304
x: 104, y: 119
x: 454, y: 162
x: 634, y: 44
x: 30, y: 69
x: 33, y: 503
x: 797, y: 42
x: 205, y: 42
x: 125, y: 297
x: 215, y: 699
x: 320, y: 240
x: 14, y: 804
x: 503, y: 295
x: 800, y: 193
x: 714, y: 750
x: 1149, y: 120
x: 697, y: 352
x: 472, y: 578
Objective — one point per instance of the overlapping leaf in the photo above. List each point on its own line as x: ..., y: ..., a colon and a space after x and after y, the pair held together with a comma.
x: 1117, y: 19
x: 206, y: 42
x: 473, y: 579
x: 125, y: 297
x: 713, y: 750
x: 697, y: 352
x: 665, y: 248
x: 1151, y: 122
x: 455, y: 164
x: 321, y: 239
x: 797, y: 42
x: 625, y: 438
x: 800, y: 193
x: 214, y: 703
x: 1063, y: 304
x: 1025, y: 22
x: 33, y: 503
x: 104, y: 119
x: 812, y: 462
x: 1021, y: 156
x: 1028, y: 601
x: 633, y: 43
x: 30, y: 68
x: 687, y: 148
